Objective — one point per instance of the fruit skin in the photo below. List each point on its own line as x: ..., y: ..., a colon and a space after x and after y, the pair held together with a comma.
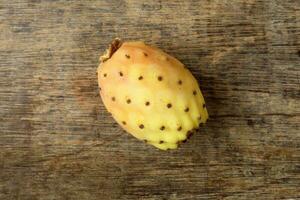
x: 150, y: 94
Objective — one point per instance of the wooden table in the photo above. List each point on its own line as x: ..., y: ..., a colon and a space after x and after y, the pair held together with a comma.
x: 57, y: 141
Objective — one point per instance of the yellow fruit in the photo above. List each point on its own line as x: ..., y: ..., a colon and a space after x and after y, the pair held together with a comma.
x: 150, y: 94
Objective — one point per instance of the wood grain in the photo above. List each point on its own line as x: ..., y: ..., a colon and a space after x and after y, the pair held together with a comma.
x: 58, y: 142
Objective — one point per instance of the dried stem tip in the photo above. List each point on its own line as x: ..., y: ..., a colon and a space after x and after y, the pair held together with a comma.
x: 113, y: 47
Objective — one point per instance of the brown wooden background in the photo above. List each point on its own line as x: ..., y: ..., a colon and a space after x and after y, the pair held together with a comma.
x: 58, y: 142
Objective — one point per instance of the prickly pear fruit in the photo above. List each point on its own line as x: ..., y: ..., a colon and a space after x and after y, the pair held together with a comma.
x: 150, y: 94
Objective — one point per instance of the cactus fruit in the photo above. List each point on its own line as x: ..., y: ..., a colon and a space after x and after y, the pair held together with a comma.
x: 150, y: 94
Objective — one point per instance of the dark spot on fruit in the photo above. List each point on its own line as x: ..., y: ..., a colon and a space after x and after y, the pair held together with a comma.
x: 120, y: 73
x: 189, y: 134
x: 184, y: 141
x: 169, y: 105
x: 123, y: 122
x: 186, y: 110
x: 113, y: 98
x: 180, y: 82
x: 99, y: 88
x: 146, y: 141
x: 194, y: 93
x: 127, y: 56
x: 179, y: 128
x: 128, y: 101
x: 147, y: 103
x: 160, y: 142
x: 162, y: 128
x: 204, y: 106
x: 141, y: 78
x: 160, y: 78
x: 145, y: 54
x: 141, y: 126
x: 105, y: 75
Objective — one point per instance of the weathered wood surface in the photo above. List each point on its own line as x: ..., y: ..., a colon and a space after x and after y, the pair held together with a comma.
x: 58, y: 142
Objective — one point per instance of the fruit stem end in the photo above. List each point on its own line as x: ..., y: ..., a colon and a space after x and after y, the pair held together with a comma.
x: 113, y: 47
